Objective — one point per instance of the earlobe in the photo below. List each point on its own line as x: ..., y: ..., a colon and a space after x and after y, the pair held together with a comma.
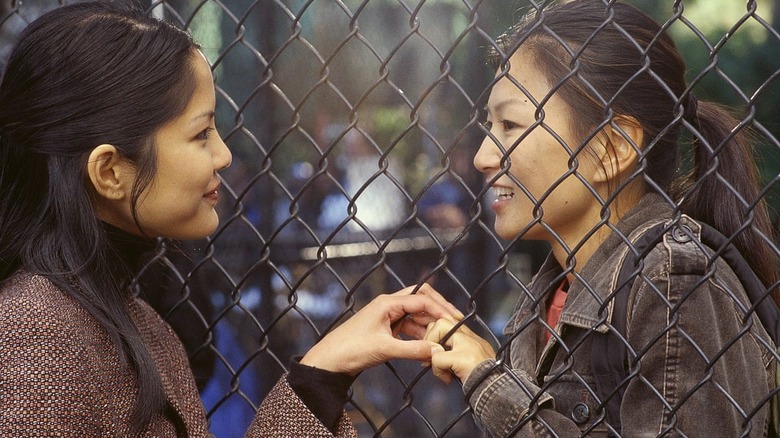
x: 109, y: 173
x: 621, y: 145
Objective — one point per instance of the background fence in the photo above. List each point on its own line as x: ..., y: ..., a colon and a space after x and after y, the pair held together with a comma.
x: 353, y: 126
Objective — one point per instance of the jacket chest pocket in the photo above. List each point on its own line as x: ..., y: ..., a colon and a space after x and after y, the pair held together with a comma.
x: 574, y: 401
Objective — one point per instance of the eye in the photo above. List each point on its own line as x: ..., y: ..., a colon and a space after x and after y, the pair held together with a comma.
x: 508, y: 126
x: 204, y: 135
x: 487, y: 125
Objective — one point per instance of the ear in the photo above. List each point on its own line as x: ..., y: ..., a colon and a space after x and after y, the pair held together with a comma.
x: 619, y: 148
x: 110, y: 173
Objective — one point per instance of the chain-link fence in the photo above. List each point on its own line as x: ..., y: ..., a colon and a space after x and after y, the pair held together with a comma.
x: 353, y: 126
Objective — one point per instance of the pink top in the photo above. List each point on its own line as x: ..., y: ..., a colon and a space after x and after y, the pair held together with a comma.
x: 555, y: 305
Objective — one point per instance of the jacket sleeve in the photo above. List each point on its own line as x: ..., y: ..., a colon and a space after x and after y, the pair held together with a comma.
x: 284, y: 414
x: 506, y: 403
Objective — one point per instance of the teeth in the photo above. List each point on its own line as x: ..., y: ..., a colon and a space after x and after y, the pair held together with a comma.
x: 503, y: 193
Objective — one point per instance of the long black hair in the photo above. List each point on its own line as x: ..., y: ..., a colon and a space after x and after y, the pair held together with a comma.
x: 80, y: 76
x: 611, y: 59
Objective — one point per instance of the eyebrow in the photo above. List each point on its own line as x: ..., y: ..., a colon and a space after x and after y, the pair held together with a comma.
x: 207, y: 115
x: 503, y: 103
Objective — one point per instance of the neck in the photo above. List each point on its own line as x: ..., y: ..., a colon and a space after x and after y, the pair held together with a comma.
x: 581, y: 251
x: 581, y: 247
x: 128, y: 247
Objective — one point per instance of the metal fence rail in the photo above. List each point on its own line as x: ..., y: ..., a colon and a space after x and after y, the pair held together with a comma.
x: 353, y: 125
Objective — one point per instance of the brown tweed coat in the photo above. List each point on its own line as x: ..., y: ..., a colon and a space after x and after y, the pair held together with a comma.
x: 61, y: 376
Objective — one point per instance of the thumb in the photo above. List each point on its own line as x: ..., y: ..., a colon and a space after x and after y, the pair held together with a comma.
x: 440, y: 367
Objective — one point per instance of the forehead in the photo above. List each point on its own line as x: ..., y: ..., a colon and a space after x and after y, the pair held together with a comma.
x: 523, y: 82
x: 200, y: 103
x: 204, y: 80
x: 203, y: 95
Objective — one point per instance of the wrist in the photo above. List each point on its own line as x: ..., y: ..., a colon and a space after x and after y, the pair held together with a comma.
x: 315, y: 358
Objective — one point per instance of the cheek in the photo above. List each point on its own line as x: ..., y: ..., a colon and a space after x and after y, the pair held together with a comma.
x: 183, y: 178
x: 168, y: 193
x: 530, y: 169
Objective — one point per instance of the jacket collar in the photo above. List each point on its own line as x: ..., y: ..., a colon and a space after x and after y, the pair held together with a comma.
x: 597, y: 278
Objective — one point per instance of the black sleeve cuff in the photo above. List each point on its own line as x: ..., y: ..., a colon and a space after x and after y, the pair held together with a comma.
x: 324, y: 392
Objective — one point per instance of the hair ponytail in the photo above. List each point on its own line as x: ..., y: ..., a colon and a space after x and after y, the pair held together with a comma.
x: 722, y: 188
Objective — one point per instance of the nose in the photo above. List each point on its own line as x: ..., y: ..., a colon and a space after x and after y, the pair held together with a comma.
x: 488, y: 158
x: 221, y: 154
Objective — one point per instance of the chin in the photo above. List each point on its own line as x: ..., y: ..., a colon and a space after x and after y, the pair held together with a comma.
x: 506, y: 233
x: 202, y: 234
x: 195, y: 232
x: 511, y: 230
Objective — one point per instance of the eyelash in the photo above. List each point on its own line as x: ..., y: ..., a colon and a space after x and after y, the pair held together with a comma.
x: 204, y: 135
x: 507, y: 125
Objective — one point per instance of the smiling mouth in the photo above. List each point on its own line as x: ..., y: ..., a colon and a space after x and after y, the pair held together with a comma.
x: 503, y: 193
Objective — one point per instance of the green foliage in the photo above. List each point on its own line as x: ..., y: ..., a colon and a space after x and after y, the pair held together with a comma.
x: 746, y: 56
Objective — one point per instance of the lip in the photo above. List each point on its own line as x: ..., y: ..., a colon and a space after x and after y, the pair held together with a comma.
x: 499, y: 204
x: 213, y: 194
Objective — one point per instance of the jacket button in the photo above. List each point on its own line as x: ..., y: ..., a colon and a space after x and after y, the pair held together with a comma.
x: 580, y: 413
x: 679, y: 234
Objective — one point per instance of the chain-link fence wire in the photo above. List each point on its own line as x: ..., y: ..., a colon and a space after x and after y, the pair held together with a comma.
x: 353, y: 125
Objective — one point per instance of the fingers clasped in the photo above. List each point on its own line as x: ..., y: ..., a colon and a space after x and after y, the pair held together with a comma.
x: 459, y: 349
x: 370, y: 337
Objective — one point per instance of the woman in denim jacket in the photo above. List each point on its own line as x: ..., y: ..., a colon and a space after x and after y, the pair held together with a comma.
x: 583, y: 128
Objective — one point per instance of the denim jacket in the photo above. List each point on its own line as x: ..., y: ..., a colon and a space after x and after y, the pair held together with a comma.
x: 704, y: 369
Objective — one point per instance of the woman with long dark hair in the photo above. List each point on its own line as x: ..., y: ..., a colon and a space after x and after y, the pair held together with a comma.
x: 585, y: 122
x: 107, y: 141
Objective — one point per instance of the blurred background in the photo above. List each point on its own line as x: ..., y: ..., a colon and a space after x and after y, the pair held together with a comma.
x: 353, y: 125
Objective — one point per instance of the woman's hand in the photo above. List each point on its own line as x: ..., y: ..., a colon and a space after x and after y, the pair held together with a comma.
x: 464, y: 350
x: 370, y: 337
